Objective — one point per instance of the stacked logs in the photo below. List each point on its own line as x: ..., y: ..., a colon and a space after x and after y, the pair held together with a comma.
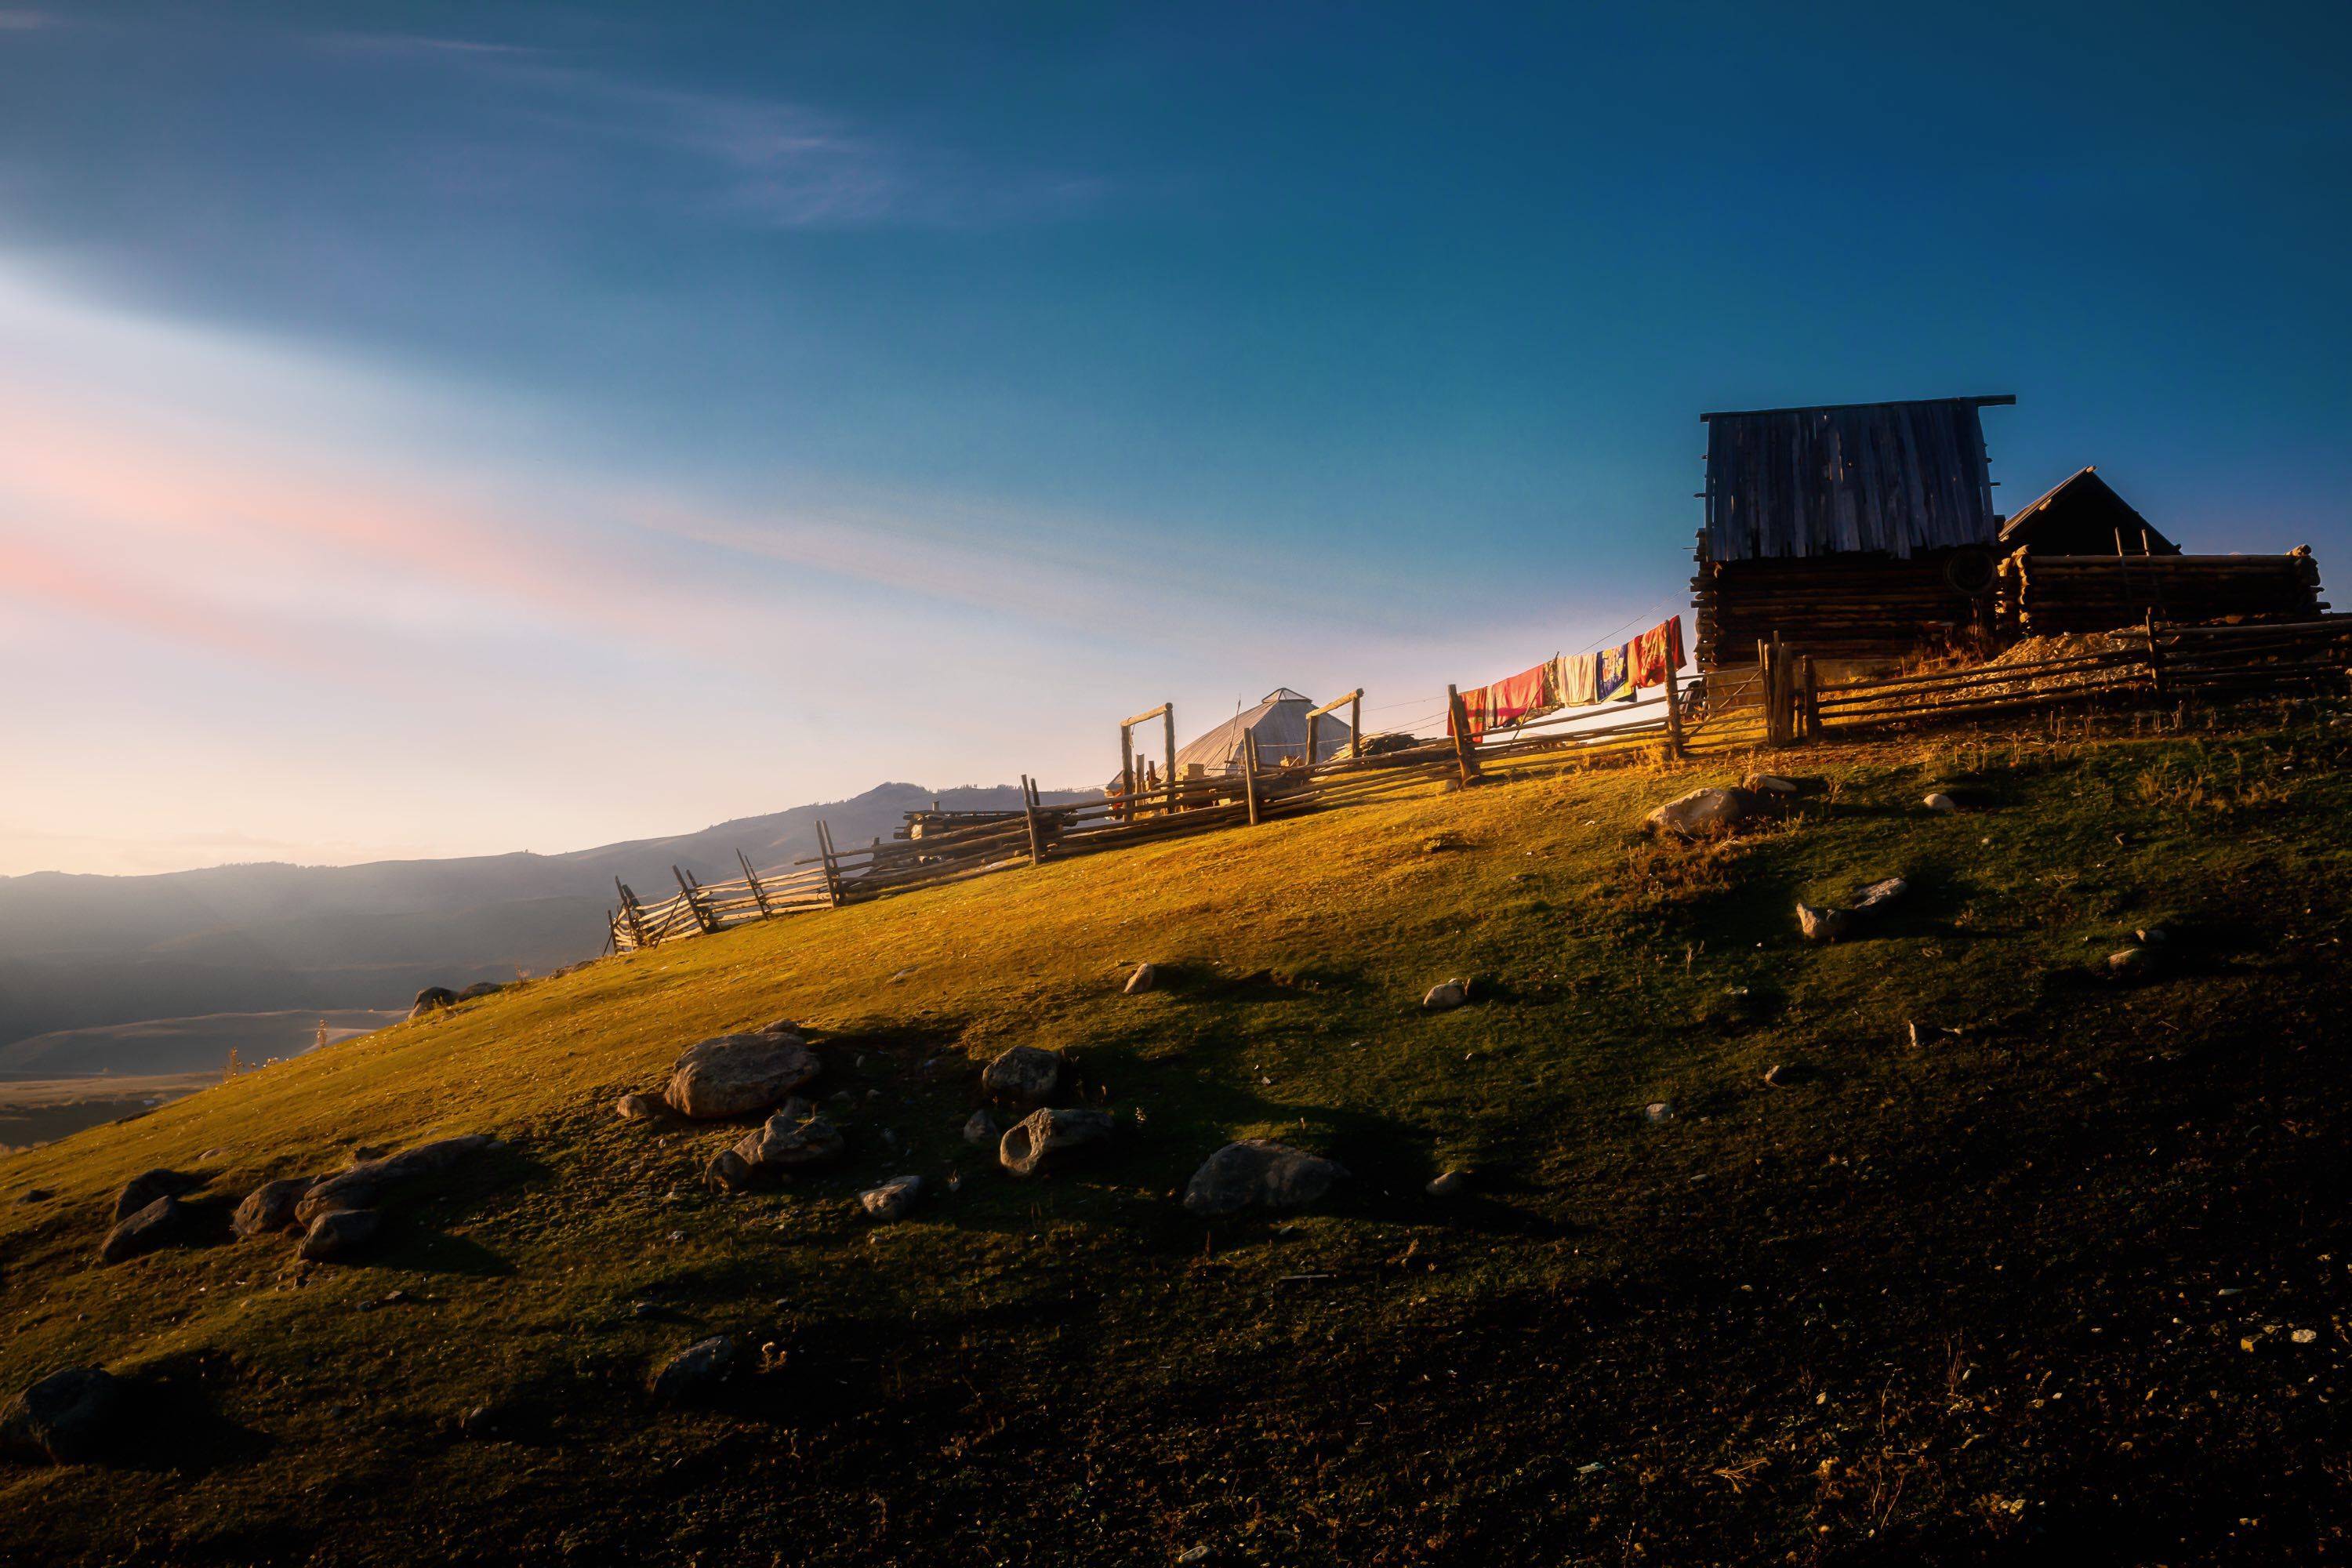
x: 2044, y: 595
x: 1838, y: 606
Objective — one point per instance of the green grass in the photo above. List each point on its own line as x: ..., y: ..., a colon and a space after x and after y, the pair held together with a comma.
x: 1848, y: 1317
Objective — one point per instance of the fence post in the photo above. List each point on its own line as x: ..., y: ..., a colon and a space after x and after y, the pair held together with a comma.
x: 1249, y: 774
x: 629, y: 907
x: 759, y: 893
x: 1029, y: 814
x: 1812, y: 698
x: 831, y: 867
x: 1464, y: 750
x: 1168, y: 713
x: 1673, y: 713
x: 1355, y: 726
x: 694, y: 904
x: 2155, y: 660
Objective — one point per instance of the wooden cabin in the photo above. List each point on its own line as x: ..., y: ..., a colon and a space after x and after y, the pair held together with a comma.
x: 1858, y: 533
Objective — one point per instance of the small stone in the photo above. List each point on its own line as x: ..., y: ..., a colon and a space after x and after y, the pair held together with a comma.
x: 728, y: 1171
x: 1259, y: 1173
x: 1939, y: 801
x: 1145, y: 978
x: 160, y: 1222
x: 642, y: 1107
x: 1446, y: 995
x: 1024, y: 1074
x: 981, y: 1129
x: 1659, y: 1111
x: 1772, y: 1075
x: 2151, y: 937
x: 794, y: 1136
x: 1878, y: 894
x: 1451, y: 1185
x: 1769, y: 783
x: 2305, y: 1336
x: 1820, y: 923
x: 1704, y: 813
x: 148, y: 1185
x: 891, y: 1200
x: 781, y: 1027
x: 1045, y: 1140
x: 695, y: 1371
x: 338, y: 1237
x: 1194, y: 1554
x: 2132, y: 963
x: 69, y: 1417
x: 269, y: 1208
x: 432, y: 999
x: 1444, y: 843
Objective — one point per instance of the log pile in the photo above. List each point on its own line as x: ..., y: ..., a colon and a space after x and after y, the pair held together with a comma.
x: 2047, y: 594
x: 1838, y: 606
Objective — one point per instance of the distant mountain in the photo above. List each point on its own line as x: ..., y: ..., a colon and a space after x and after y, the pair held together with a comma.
x: 78, y: 951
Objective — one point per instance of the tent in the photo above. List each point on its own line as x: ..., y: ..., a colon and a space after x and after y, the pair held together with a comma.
x: 1279, y: 723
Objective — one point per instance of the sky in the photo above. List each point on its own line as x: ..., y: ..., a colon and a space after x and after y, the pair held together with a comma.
x: 449, y: 429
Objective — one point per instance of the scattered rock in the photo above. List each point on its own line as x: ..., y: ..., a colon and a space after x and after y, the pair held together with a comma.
x: 160, y: 1222
x: 1772, y: 784
x: 794, y: 1136
x: 340, y: 1235
x: 2151, y: 937
x: 1024, y: 1074
x: 1145, y: 978
x: 642, y: 1107
x: 365, y: 1184
x: 1257, y: 1172
x: 1772, y: 1075
x: 1704, y: 813
x: 1878, y: 894
x: 981, y: 1129
x: 730, y: 1075
x: 1659, y: 1111
x: 1444, y: 843
x: 269, y: 1208
x: 1192, y: 1555
x: 480, y: 988
x: 1446, y: 995
x: 1045, y: 1140
x: 432, y: 999
x: 781, y: 1027
x: 69, y: 1417
x: 1939, y: 801
x: 892, y: 1199
x: 1451, y: 1185
x: 148, y: 1185
x: 695, y: 1371
x: 1819, y: 922
x: 2132, y: 963
x: 728, y: 1171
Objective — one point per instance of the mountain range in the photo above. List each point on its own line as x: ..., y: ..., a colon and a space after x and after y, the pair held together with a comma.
x: 78, y: 951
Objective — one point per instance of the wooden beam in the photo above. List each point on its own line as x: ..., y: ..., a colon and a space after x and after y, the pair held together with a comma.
x: 1029, y: 812
x: 752, y: 879
x: 1167, y: 712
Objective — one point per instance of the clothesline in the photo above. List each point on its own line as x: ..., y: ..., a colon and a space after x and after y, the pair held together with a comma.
x: 1585, y: 679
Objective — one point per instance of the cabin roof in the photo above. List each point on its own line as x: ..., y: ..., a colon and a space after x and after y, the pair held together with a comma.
x: 1848, y: 478
x: 2088, y: 501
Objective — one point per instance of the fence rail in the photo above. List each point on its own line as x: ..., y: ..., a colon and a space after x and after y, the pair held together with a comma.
x: 2152, y: 662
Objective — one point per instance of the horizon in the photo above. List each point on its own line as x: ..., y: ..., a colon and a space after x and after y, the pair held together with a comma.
x: 504, y: 404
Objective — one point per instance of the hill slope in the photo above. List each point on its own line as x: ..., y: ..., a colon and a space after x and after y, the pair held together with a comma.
x: 81, y: 950
x: 1979, y: 1298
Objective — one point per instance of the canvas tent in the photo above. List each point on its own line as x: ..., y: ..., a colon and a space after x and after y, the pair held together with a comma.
x: 1279, y: 724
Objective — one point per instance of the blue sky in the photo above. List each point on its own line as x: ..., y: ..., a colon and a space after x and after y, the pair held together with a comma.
x: 429, y: 425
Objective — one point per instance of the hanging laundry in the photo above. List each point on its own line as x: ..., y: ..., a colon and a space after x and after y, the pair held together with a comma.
x: 1656, y: 651
x: 1616, y: 669
x: 1520, y: 697
x: 1474, y: 710
x: 1579, y: 676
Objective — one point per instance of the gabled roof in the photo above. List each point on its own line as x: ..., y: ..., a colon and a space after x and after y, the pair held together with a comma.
x: 2083, y: 504
x: 1838, y: 478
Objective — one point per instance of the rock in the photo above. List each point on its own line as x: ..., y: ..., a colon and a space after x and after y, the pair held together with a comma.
x: 1024, y: 1074
x: 160, y: 1222
x: 340, y: 1235
x: 1659, y: 1111
x: 892, y: 1199
x: 480, y: 988
x: 728, y: 1171
x: 1257, y: 1172
x: 1770, y: 784
x: 269, y: 1208
x: 2132, y: 963
x: 642, y: 1107
x: 1144, y: 979
x: 1939, y: 801
x: 1446, y: 995
x: 781, y: 1027
x: 1452, y: 1184
x: 695, y: 1371
x: 148, y: 1185
x: 432, y: 999
x: 1704, y: 813
x: 365, y: 1184
x: 1442, y: 843
x: 1819, y: 923
x: 69, y: 1417
x: 1878, y: 894
x: 794, y: 1136
x: 730, y: 1075
x: 2150, y: 937
x: 1192, y: 1555
x: 1046, y: 1140
x: 1772, y: 1075
x: 981, y: 1129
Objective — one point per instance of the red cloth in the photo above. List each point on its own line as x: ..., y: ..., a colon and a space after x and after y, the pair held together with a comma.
x: 1656, y: 651
x: 1521, y: 696
x: 1473, y: 708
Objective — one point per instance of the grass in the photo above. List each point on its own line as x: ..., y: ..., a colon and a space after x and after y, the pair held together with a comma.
x: 1952, y: 1301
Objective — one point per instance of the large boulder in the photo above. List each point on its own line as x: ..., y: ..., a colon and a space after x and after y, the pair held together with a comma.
x: 367, y: 1184
x: 148, y: 1185
x: 1705, y: 813
x: 1046, y: 1140
x: 480, y: 988
x: 1259, y: 1173
x: 341, y: 1234
x: 160, y: 1222
x: 1024, y: 1074
x: 695, y: 1371
x: 269, y: 1208
x: 432, y: 999
x: 794, y: 1136
x: 68, y: 1417
x: 733, y: 1075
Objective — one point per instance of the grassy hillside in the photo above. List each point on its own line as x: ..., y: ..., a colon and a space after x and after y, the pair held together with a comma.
x: 2029, y: 1285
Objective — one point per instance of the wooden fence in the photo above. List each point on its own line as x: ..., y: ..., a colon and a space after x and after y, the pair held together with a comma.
x: 2150, y: 663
